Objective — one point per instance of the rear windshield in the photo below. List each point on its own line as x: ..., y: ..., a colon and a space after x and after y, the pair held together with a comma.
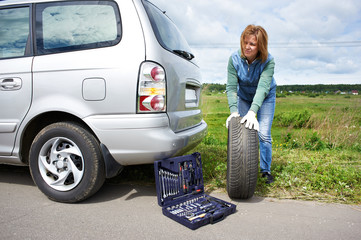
x: 165, y: 30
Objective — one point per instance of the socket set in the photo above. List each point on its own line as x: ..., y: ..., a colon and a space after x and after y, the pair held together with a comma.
x: 180, y: 192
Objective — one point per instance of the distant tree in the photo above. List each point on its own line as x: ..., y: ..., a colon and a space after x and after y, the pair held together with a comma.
x: 214, y: 87
x: 319, y: 88
x: 303, y: 89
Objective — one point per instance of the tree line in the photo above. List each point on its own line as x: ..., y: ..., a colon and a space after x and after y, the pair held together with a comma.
x: 319, y: 88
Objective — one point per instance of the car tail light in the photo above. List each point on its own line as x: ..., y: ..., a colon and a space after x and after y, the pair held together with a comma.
x: 151, y: 88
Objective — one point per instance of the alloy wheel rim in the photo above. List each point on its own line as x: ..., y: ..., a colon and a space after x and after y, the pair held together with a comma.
x: 61, y: 164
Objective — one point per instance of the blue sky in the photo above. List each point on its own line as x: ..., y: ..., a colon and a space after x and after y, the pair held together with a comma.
x: 313, y: 42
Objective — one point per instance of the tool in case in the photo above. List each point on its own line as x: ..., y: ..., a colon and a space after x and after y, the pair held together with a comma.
x: 180, y: 192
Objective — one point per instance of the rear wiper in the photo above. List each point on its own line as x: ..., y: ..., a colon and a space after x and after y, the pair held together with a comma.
x: 184, y: 54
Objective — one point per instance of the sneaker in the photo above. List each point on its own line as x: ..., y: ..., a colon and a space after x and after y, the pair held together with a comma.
x: 269, y: 177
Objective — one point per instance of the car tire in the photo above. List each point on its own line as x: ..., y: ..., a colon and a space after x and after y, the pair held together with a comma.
x: 66, y: 162
x: 242, y: 160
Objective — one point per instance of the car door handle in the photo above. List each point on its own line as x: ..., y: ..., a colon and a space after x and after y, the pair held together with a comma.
x: 7, y: 84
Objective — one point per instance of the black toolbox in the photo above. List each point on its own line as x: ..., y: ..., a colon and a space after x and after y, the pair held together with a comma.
x: 180, y: 192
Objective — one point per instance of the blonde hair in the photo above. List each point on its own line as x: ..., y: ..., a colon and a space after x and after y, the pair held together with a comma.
x: 262, y: 40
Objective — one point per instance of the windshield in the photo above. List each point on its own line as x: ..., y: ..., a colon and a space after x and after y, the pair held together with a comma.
x: 166, y: 31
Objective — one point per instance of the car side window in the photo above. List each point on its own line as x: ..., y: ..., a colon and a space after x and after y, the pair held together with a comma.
x: 14, y: 32
x: 76, y: 25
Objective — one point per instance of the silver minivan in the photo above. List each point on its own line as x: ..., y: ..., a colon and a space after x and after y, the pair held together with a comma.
x: 87, y: 87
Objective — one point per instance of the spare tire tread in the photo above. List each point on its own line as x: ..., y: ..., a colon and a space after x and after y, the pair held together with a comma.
x: 242, y: 160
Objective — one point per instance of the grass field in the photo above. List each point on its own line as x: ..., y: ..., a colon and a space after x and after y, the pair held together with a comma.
x: 316, y: 147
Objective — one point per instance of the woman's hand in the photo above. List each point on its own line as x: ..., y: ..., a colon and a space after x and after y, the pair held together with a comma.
x: 234, y: 114
x: 251, y: 120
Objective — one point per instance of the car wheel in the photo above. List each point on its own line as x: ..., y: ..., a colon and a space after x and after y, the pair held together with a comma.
x: 66, y: 162
x: 242, y: 160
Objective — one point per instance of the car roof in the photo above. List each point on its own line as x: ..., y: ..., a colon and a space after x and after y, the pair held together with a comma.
x: 17, y: 2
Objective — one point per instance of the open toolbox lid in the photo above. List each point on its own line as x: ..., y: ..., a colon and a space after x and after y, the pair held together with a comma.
x: 178, y: 177
x: 180, y: 192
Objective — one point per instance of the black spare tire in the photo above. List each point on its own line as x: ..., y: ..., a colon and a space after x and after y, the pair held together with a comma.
x: 242, y: 160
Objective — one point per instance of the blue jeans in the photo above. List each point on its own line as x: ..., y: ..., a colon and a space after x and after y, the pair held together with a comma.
x: 265, y: 118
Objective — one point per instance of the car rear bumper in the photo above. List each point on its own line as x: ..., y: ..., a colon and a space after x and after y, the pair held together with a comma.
x: 143, y: 138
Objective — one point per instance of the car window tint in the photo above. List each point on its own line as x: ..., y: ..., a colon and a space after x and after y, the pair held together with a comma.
x: 165, y: 30
x: 14, y: 31
x: 69, y: 26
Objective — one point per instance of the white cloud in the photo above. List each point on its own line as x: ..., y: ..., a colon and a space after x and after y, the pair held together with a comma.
x: 312, y: 41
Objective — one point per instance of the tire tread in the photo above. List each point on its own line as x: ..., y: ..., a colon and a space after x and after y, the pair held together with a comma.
x: 242, y: 160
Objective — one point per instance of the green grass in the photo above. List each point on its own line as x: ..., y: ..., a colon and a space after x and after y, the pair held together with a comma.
x: 316, y: 148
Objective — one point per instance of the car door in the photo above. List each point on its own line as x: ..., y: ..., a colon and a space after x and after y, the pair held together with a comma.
x: 15, y: 73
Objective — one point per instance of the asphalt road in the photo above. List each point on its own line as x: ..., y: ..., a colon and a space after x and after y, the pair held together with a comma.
x: 126, y: 211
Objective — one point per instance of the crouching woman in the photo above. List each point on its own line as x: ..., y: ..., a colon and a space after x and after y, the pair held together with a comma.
x: 251, y: 90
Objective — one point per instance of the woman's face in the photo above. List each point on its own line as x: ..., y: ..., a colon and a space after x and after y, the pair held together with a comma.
x: 250, y: 48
